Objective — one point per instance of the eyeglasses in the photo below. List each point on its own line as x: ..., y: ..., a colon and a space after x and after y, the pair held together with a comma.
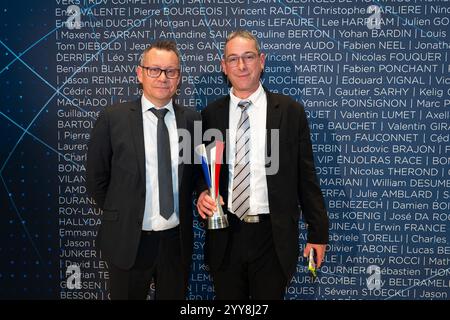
x: 247, y: 58
x: 155, y: 72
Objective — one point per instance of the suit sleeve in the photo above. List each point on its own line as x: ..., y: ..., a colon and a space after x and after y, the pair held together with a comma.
x: 309, y: 193
x: 99, y: 160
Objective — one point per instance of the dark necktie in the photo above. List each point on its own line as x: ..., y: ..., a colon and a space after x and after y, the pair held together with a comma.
x: 241, y: 179
x: 164, y: 166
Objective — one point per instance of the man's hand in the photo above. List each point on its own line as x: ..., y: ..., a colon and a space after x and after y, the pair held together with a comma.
x: 320, y: 252
x: 206, y: 205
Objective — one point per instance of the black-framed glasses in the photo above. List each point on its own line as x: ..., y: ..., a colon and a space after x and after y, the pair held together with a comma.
x: 155, y: 72
x: 247, y: 58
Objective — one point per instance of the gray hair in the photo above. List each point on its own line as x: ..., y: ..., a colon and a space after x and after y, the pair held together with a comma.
x: 243, y: 34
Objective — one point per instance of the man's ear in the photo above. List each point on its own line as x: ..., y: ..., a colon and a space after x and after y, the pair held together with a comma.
x: 224, y: 66
x: 262, y: 59
x: 139, y: 73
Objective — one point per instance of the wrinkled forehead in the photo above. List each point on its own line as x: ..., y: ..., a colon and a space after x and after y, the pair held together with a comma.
x: 240, y: 45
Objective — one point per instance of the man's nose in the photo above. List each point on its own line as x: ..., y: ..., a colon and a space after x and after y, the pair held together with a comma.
x: 163, y: 76
x: 241, y: 64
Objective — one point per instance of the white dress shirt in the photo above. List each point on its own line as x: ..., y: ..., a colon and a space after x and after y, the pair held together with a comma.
x: 257, y: 112
x: 152, y: 218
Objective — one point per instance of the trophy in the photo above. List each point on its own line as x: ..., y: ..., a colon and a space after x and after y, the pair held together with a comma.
x: 218, y: 220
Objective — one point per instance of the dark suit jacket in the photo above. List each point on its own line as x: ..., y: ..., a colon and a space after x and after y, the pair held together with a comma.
x: 116, y: 180
x: 294, y: 185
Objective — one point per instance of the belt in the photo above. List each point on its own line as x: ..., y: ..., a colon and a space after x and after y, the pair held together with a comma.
x: 253, y: 218
x: 160, y: 232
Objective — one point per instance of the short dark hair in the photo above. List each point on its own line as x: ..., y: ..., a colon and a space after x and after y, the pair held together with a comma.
x: 168, y: 45
x: 243, y: 34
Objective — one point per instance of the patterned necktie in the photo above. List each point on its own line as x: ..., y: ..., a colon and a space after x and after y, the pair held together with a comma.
x: 241, y: 179
x: 164, y: 165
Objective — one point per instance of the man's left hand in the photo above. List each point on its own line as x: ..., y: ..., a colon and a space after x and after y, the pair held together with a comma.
x: 320, y: 252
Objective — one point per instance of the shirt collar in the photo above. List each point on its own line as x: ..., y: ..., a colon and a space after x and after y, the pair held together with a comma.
x: 146, y: 105
x: 254, y: 97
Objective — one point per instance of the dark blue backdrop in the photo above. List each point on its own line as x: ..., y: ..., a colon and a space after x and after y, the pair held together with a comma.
x: 377, y: 101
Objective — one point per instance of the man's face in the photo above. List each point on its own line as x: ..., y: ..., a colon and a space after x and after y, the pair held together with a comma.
x: 159, y: 90
x: 243, y: 71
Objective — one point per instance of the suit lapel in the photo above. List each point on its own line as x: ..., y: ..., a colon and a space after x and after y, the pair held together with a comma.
x: 272, y: 122
x: 223, y: 120
x: 137, y: 129
x: 181, y: 124
x: 273, y: 119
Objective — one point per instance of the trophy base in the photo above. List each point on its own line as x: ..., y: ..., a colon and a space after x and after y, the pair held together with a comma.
x: 217, y: 222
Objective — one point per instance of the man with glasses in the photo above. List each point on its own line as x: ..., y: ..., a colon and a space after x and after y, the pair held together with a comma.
x: 135, y: 175
x: 257, y: 255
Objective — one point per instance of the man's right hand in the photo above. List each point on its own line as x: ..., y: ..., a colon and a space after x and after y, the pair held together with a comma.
x: 206, y: 205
